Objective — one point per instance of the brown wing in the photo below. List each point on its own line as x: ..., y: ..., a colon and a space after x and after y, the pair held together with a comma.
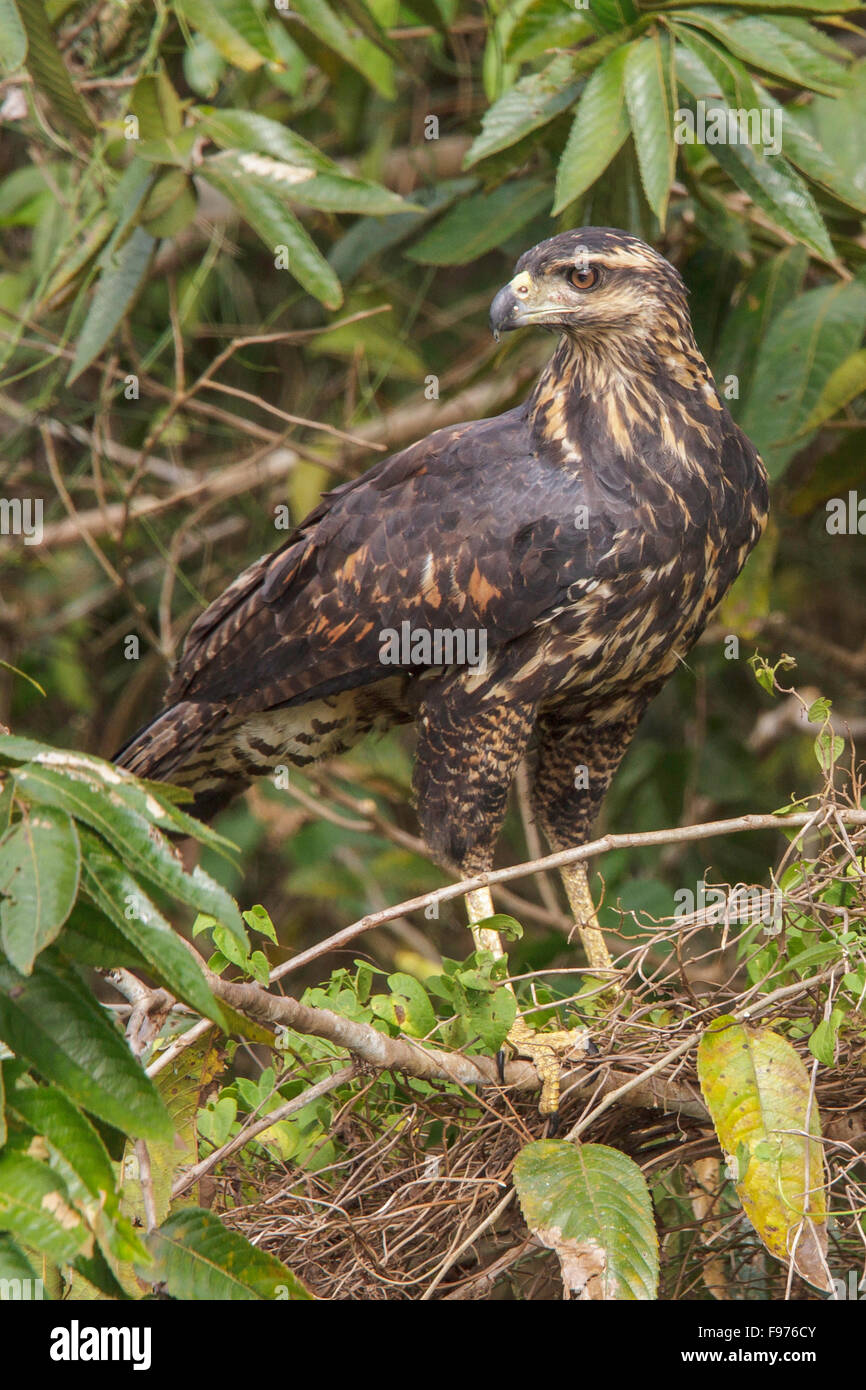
x: 467, y: 529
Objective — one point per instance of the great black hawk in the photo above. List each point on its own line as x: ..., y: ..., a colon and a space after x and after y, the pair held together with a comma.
x: 580, y: 540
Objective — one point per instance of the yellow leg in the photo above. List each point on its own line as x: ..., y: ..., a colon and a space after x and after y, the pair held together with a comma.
x: 544, y: 1050
x: 576, y: 881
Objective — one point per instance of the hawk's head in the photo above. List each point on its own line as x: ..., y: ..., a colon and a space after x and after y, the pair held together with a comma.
x: 594, y: 283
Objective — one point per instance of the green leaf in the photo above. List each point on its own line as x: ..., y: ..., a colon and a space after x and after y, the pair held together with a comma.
x: 120, y: 897
x: 408, y: 1007
x: 728, y: 76
x: 770, y: 182
x: 531, y: 103
x: 612, y: 15
x: 766, y: 292
x: 808, y: 155
x: 170, y: 206
x: 333, y: 192
x: 367, y: 237
x: 758, y: 1093
x: 773, y: 185
x: 15, y: 1265
x: 48, y: 69
x: 828, y: 750
x: 842, y: 386
x: 118, y: 285
x: 181, y: 1084
x: 197, y: 1258
x: 591, y: 1204
x: 768, y: 46
x: 144, y: 850
x: 39, y: 868
x: 260, y: 203
x: 803, y: 346
x: 83, y: 1162
x: 487, y: 1014
x: 822, y: 1043
x: 157, y: 106
x: 13, y: 37
x: 838, y: 123
x: 544, y: 25
x: 258, y: 918
x: 819, y: 710
x: 649, y: 93
x: 34, y: 1206
x: 57, y: 1026
x: 477, y: 224
x: 359, y: 52
x: 507, y: 926
x: 234, y: 27
x: 246, y: 130
x: 600, y: 128
x: 52, y: 1114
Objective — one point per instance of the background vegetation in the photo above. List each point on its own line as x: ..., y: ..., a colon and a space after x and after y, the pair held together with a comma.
x: 246, y: 249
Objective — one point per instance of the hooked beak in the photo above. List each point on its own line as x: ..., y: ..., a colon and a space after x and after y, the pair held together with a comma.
x: 504, y: 311
x: 507, y: 308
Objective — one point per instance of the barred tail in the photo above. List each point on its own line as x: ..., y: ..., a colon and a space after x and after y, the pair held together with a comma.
x: 177, y: 747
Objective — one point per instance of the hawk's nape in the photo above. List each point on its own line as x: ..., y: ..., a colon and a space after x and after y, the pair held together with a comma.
x: 525, y: 583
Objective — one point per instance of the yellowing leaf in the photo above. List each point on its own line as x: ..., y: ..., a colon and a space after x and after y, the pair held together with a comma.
x: 758, y: 1093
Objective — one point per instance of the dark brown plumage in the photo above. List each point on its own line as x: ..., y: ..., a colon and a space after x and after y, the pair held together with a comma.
x: 587, y: 534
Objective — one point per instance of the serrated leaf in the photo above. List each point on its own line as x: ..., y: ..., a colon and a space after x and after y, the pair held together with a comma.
x: 117, y: 287
x: 234, y: 27
x: 47, y: 68
x: 247, y: 130
x: 727, y: 76
x: 767, y: 46
x: 84, y: 1164
x: 13, y: 37
x: 121, y: 898
x: 264, y: 207
x: 144, y: 850
x: 531, y: 103
x: 51, y: 1113
x: 601, y: 127
x: 40, y: 861
x: 477, y: 224
x: 60, y: 1028
x: 804, y: 151
x: 803, y: 346
x: 650, y: 98
x: 758, y: 1093
x: 773, y: 185
x: 359, y: 52
x: 35, y: 1207
x: 591, y: 1204
x: 197, y: 1258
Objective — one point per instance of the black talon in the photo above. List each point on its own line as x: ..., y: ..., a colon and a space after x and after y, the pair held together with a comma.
x: 591, y: 1049
x: 553, y: 1123
x: 500, y: 1065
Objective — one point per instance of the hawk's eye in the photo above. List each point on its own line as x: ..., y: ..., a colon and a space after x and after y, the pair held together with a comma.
x: 584, y: 278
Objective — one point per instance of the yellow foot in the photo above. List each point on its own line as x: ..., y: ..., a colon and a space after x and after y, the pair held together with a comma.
x: 546, y: 1051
